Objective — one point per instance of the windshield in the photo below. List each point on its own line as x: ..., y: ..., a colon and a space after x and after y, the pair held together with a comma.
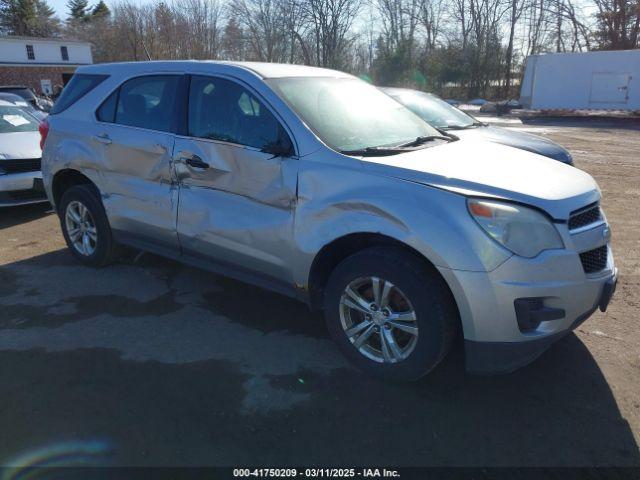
x: 348, y: 114
x: 14, y: 119
x: 433, y: 110
x: 22, y: 92
x: 12, y: 98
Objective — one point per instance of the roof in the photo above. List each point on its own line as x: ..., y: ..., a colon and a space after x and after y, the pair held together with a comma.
x: 263, y: 70
x: 42, y: 39
x: 4, y: 103
x: 279, y: 70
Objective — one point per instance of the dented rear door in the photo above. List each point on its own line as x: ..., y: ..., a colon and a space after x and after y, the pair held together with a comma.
x: 135, y: 133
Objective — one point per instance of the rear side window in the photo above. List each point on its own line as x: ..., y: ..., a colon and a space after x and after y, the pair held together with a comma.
x: 144, y: 102
x: 79, y: 85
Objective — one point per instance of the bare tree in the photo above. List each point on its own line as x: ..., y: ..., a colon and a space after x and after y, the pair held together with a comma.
x: 400, y: 19
x: 516, y: 8
x: 618, y: 24
x: 264, y: 26
x: 431, y: 18
x: 475, y: 47
x: 330, y: 23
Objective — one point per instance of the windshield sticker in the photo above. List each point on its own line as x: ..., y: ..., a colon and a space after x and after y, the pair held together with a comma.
x: 15, y: 120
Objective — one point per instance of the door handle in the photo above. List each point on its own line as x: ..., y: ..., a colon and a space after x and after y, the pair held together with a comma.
x: 102, y: 138
x: 195, y: 161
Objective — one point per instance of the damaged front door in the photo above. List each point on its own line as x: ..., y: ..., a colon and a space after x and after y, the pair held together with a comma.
x: 135, y: 131
x: 237, y: 181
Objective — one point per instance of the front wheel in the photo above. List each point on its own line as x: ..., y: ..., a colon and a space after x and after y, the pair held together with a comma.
x: 85, y: 226
x: 390, y: 314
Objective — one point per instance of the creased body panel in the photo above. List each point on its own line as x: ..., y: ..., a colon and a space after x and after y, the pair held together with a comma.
x: 239, y: 210
x: 69, y: 147
x: 138, y: 194
x: 336, y: 199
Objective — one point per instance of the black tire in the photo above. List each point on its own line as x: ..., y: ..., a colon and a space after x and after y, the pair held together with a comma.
x: 435, y: 309
x: 106, y: 249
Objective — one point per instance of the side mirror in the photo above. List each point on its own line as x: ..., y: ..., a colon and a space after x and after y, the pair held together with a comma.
x: 280, y: 148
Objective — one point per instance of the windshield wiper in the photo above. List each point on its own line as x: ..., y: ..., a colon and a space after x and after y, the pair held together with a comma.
x: 373, y: 151
x: 464, y: 127
x: 425, y: 139
x: 394, y: 150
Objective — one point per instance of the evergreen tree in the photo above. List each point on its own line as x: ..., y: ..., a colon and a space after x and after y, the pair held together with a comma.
x: 34, y: 18
x: 100, y: 10
x: 17, y: 16
x: 78, y: 9
x: 46, y: 24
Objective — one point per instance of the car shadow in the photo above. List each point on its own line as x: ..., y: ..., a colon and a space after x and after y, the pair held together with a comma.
x: 11, y: 216
x: 221, y: 373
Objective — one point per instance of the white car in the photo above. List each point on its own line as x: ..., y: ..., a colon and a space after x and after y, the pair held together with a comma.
x: 22, y: 103
x: 20, y: 152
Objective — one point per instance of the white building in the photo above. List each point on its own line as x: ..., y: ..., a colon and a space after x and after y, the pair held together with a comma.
x: 41, y: 63
x: 582, y: 81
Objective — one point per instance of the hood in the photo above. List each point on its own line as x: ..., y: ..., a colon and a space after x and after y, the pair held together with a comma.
x: 480, y: 168
x: 17, y: 145
x: 514, y: 138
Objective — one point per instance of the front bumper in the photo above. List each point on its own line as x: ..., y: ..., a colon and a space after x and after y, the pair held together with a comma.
x: 494, y: 340
x: 484, y: 358
x: 21, y: 189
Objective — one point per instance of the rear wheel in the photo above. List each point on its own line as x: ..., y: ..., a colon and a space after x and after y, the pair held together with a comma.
x: 85, y: 226
x: 390, y: 314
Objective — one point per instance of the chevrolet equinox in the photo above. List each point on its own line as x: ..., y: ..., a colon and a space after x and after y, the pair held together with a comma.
x: 317, y: 185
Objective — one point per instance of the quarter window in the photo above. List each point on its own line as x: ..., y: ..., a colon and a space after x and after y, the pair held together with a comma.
x: 79, y: 85
x: 145, y: 102
x: 107, y: 111
x: 222, y: 110
x: 30, y: 53
x: 64, y: 53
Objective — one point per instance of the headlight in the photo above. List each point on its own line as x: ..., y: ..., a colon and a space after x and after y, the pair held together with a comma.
x: 524, y: 231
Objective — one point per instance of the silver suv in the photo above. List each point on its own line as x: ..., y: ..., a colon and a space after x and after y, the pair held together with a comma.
x: 317, y: 185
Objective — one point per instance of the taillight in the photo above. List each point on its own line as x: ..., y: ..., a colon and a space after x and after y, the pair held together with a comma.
x: 43, y: 128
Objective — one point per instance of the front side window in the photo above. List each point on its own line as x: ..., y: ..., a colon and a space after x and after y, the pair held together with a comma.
x: 349, y: 114
x: 144, y: 102
x: 15, y: 119
x: 30, y: 53
x: 222, y: 110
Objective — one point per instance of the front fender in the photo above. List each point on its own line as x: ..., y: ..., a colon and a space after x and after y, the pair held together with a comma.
x: 434, y: 222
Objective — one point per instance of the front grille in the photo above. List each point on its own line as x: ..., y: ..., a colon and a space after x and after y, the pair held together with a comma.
x: 594, y: 260
x: 585, y: 216
x: 19, y: 166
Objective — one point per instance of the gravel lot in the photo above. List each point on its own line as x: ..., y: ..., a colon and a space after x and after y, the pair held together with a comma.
x: 148, y: 362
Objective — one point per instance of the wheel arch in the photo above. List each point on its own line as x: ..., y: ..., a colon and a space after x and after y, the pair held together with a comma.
x: 331, y: 254
x: 65, y: 179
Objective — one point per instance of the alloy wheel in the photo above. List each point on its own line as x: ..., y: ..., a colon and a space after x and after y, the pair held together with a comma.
x: 378, y: 319
x: 81, y: 228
